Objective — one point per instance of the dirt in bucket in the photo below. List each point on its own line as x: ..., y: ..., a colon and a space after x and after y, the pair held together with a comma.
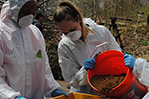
x: 105, y: 83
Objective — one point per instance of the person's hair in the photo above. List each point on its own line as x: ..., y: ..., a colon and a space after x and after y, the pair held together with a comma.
x: 68, y: 11
x: 38, y: 14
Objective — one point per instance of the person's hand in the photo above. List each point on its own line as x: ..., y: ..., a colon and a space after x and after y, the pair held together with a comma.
x: 20, y: 97
x: 129, y: 60
x: 58, y: 92
x: 89, y: 63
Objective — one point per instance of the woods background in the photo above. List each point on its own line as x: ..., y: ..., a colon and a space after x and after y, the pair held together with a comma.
x: 100, y: 10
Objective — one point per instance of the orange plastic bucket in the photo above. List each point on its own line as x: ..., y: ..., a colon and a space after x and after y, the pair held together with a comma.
x: 112, y: 63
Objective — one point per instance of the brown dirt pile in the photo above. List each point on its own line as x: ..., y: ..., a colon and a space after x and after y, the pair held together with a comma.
x: 105, y: 83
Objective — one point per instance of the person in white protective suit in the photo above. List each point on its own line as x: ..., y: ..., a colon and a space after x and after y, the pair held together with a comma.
x: 24, y: 67
x: 140, y: 69
x: 78, y: 44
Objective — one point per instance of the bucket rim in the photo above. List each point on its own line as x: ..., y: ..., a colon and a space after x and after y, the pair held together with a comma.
x: 113, y: 89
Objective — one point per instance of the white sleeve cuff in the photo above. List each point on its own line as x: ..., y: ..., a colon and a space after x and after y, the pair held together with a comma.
x: 141, y: 71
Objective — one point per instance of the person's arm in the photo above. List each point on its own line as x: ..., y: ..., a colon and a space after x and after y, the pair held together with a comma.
x: 139, y: 66
x: 72, y: 71
x: 52, y: 88
x: 6, y: 92
x: 50, y: 83
x: 141, y: 71
x: 106, y: 36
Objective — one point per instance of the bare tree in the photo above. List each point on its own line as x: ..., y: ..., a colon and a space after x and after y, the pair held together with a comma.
x: 148, y: 20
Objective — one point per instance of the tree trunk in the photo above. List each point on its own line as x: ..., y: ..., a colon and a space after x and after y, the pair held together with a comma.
x: 148, y: 20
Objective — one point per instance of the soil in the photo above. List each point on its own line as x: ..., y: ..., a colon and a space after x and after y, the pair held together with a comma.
x: 105, y: 83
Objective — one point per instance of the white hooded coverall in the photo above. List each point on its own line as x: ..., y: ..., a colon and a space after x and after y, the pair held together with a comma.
x: 72, y: 55
x: 141, y: 71
x: 24, y: 65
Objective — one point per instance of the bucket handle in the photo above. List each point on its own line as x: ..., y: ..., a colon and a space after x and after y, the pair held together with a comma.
x: 102, y: 45
x: 98, y: 47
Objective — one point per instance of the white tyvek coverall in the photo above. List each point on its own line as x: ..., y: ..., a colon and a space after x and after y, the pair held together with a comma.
x: 21, y: 71
x: 141, y: 71
x: 72, y: 55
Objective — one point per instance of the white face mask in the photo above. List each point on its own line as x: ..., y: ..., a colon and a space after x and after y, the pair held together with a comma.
x: 74, y: 35
x: 26, y: 21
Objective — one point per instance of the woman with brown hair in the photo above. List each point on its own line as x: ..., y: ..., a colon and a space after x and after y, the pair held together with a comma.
x: 78, y: 44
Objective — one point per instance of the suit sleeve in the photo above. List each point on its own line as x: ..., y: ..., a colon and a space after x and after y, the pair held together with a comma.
x: 6, y: 92
x: 141, y: 71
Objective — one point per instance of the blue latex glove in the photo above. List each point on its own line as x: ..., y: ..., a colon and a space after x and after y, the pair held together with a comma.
x: 20, y: 97
x: 58, y: 92
x: 89, y: 63
x: 129, y: 60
